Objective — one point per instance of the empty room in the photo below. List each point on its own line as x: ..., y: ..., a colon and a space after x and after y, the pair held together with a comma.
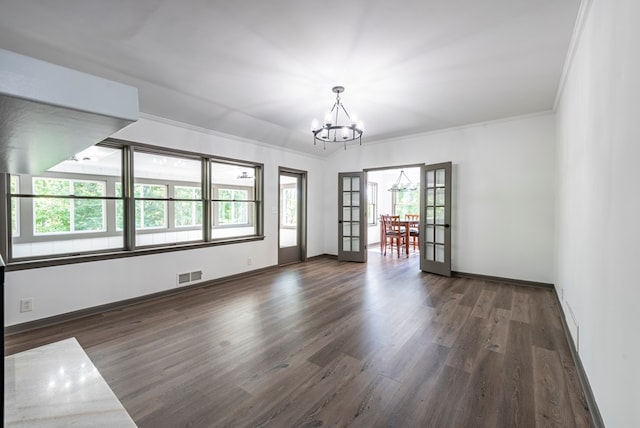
x: 295, y: 213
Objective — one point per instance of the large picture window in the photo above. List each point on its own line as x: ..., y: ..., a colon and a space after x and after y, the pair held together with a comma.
x: 81, y: 207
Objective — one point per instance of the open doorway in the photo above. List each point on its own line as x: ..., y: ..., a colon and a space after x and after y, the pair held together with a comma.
x: 381, y: 200
x: 292, y: 216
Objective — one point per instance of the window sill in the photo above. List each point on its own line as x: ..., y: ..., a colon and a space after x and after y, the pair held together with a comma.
x: 85, y: 258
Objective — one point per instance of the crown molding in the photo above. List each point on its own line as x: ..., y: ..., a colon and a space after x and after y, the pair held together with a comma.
x: 578, y: 28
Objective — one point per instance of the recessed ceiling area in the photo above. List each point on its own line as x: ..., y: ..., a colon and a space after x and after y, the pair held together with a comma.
x: 264, y: 70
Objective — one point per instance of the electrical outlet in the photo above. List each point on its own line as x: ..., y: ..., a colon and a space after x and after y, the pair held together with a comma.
x: 26, y: 305
x: 249, y: 261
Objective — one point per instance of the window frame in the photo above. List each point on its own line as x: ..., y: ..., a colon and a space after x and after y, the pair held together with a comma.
x: 372, y: 193
x: 15, y: 233
x: 129, y: 249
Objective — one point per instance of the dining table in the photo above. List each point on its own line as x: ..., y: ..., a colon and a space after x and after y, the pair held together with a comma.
x: 405, y: 225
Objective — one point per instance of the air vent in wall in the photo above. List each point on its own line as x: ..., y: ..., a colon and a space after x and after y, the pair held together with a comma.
x: 196, y: 276
x: 189, y: 277
x: 184, y: 278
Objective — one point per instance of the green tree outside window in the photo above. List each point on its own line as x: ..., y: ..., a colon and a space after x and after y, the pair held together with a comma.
x: 231, y: 211
x: 407, y: 202
x: 187, y: 213
x: 149, y: 214
x: 58, y: 215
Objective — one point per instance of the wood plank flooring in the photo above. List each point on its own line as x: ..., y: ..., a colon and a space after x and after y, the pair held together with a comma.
x: 326, y: 343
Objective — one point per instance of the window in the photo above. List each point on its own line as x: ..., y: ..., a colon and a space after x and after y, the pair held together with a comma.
x: 230, y: 210
x: 167, y: 195
x: 406, y: 202
x: 372, y: 203
x: 234, y: 205
x: 78, y: 206
x: 188, y: 213
x: 151, y: 210
x: 15, y: 206
x: 66, y: 210
x: 289, y: 209
x: 59, y: 212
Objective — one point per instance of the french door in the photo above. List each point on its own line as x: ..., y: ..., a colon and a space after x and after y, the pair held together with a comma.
x: 291, y: 216
x: 435, y: 218
x: 352, y: 222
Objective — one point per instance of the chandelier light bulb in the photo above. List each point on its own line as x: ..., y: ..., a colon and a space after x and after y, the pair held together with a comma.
x: 327, y: 118
x: 345, y: 133
x: 315, y: 125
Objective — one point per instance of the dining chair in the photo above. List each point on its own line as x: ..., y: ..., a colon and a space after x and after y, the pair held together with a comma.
x: 414, y: 229
x: 394, y: 234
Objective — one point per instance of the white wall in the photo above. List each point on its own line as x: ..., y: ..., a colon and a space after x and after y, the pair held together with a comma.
x: 62, y: 289
x: 502, y: 212
x: 503, y: 191
x: 598, y: 204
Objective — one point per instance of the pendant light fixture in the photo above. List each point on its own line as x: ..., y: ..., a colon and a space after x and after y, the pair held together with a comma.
x: 337, y: 129
x: 403, y: 186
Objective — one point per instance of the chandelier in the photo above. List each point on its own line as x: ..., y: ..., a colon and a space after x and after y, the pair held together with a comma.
x: 334, y: 131
x: 400, y: 186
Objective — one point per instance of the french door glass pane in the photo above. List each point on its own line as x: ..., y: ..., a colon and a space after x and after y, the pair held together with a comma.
x: 346, y: 213
x: 430, y: 252
x: 355, y: 213
x: 355, y: 184
x: 431, y: 181
x: 346, y: 244
x: 430, y: 234
x: 439, y: 234
x: 346, y: 184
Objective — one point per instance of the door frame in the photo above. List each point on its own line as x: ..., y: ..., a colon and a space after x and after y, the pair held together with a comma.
x: 302, y: 214
x: 398, y: 167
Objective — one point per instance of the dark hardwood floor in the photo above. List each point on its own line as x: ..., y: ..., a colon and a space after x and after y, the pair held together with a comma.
x: 326, y: 343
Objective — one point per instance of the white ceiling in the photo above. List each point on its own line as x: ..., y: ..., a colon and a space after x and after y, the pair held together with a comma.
x: 264, y: 69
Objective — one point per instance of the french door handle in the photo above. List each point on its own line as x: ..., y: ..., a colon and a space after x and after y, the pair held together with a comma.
x: 447, y: 225
x: 339, y: 221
